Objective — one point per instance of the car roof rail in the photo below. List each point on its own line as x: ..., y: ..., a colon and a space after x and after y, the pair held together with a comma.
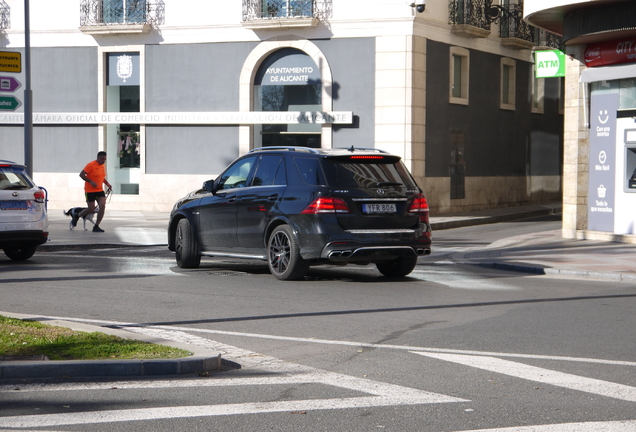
x: 278, y: 148
x: 317, y: 151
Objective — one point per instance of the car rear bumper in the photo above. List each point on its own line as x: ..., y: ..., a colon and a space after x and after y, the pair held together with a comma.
x: 375, y: 245
x: 358, y: 253
x: 327, y: 241
x: 16, y: 239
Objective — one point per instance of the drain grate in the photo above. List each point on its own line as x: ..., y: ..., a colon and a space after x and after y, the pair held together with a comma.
x: 489, y: 254
x: 226, y: 273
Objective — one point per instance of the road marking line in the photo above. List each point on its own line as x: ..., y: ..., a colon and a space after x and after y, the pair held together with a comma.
x: 457, y: 281
x: 108, y: 416
x: 131, y: 326
x: 544, y: 376
x: 386, y: 346
x: 610, y: 426
x: 282, y: 373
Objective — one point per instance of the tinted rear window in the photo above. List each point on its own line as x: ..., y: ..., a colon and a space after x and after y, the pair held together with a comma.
x: 14, y: 178
x: 366, y: 174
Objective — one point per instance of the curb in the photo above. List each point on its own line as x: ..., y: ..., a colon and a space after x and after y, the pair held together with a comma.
x: 523, y: 268
x: 83, y: 246
x: 479, y: 220
x: 202, y: 360
x: 89, y: 368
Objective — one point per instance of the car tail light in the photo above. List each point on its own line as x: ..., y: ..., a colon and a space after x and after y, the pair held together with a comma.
x: 366, y: 157
x: 420, y: 206
x: 39, y: 196
x: 327, y: 205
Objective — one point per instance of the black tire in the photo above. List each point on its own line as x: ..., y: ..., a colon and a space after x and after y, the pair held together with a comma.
x: 20, y: 254
x: 186, y: 250
x: 399, y: 267
x: 283, y: 255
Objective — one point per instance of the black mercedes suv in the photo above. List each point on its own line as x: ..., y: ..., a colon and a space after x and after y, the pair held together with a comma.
x: 296, y: 207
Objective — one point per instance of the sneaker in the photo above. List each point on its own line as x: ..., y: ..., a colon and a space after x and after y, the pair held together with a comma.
x: 97, y: 229
x: 75, y: 219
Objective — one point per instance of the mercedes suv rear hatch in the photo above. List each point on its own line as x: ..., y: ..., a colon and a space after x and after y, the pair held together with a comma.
x: 372, y: 191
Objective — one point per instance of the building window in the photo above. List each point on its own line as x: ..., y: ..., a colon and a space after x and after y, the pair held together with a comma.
x: 123, y: 141
x: 538, y: 92
x: 508, y: 87
x: 5, y: 16
x: 288, y: 80
x: 124, y: 11
x: 120, y: 16
x: 286, y: 8
x: 459, y: 72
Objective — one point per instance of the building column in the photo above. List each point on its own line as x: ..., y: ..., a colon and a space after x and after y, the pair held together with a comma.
x: 400, y: 93
x: 576, y: 146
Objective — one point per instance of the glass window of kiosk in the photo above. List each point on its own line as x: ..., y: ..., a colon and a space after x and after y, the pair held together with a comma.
x: 626, y: 89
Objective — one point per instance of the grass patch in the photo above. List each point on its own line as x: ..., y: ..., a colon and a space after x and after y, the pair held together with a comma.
x: 23, y: 338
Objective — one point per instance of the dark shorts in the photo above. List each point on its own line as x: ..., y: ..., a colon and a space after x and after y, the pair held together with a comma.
x: 92, y: 196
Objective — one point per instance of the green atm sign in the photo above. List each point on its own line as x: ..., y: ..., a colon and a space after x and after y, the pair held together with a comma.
x: 549, y: 64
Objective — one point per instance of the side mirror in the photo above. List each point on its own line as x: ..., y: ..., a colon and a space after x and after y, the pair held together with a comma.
x: 208, y: 186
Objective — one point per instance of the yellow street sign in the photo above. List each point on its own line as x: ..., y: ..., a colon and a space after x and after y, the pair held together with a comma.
x: 10, y: 61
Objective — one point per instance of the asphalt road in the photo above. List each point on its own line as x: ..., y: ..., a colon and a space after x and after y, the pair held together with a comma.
x: 451, y: 348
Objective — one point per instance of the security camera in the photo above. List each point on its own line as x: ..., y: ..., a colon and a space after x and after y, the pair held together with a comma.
x: 419, y: 5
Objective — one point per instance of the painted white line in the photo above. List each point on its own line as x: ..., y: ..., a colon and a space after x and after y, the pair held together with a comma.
x: 459, y: 281
x: 108, y: 416
x: 130, y: 326
x: 312, y: 376
x: 544, y: 376
x: 280, y: 373
x: 611, y: 426
x: 398, y: 347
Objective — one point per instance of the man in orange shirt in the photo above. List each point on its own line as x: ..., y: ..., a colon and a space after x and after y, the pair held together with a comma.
x: 94, y: 174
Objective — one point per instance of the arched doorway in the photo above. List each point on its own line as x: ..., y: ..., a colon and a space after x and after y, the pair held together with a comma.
x: 288, y: 80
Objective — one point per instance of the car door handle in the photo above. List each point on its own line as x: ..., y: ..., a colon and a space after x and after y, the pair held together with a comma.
x: 231, y: 199
x: 272, y: 197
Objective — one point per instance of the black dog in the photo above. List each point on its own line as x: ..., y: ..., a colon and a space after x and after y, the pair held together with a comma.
x: 74, y: 211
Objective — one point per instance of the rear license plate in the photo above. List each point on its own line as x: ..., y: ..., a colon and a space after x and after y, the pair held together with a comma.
x: 378, y: 208
x: 15, y: 205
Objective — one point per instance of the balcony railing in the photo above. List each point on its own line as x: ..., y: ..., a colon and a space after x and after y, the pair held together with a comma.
x: 512, y: 25
x: 285, y: 13
x: 272, y: 9
x: 5, y: 16
x: 472, y: 18
x: 469, y: 12
x: 544, y: 39
x: 121, y: 12
x: 513, y: 30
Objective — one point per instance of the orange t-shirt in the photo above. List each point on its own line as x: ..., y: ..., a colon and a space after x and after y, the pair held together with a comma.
x: 97, y: 173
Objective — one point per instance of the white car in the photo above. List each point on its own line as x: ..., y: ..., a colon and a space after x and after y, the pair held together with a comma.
x: 24, y: 224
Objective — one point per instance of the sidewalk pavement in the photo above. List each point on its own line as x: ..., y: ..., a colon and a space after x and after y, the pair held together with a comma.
x: 545, y: 252
x: 540, y: 253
